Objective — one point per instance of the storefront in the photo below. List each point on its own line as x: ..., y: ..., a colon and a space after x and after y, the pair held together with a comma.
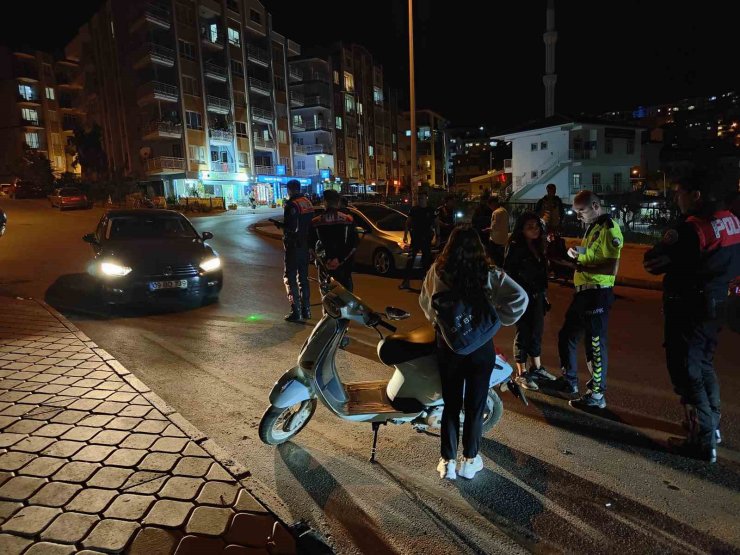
x: 233, y: 187
x: 269, y: 189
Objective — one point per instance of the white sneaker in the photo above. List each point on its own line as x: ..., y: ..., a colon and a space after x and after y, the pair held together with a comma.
x: 446, y: 469
x: 470, y: 467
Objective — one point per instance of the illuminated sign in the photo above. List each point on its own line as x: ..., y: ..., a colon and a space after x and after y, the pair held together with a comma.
x: 324, y: 174
x: 281, y: 179
x: 280, y: 170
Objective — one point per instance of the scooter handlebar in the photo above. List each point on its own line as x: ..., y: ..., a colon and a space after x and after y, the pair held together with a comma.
x: 387, y: 326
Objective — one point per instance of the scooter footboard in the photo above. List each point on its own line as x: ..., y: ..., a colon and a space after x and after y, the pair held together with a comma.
x: 501, y: 372
x: 293, y: 387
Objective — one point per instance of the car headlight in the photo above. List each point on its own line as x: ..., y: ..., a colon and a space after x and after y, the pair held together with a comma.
x: 403, y: 246
x: 113, y: 269
x: 211, y: 264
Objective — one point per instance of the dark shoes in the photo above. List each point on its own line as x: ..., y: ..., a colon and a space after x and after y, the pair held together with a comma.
x: 692, y: 450
x: 589, y: 401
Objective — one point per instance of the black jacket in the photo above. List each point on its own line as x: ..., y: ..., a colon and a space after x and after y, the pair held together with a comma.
x: 525, y: 268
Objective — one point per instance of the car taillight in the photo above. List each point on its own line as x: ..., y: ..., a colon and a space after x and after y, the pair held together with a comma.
x: 500, y: 353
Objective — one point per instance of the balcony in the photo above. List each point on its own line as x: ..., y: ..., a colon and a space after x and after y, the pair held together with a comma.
x: 35, y: 123
x: 263, y: 116
x: 68, y: 81
x: 309, y: 150
x: 262, y: 143
x: 260, y: 87
x: 218, y: 105
x: 215, y: 72
x: 312, y: 126
x: 316, y: 101
x: 212, y: 41
x: 165, y: 165
x: 154, y: 54
x: 70, y: 124
x: 155, y: 91
x: 258, y: 56
x: 225, y: 167
x: 295, y: 74
x: 232, y: 5
x: 305, y: 173
x: 578, y: 154
x: 26, y: 72
x: 211, y: 7
x: 298, y: 125
x: 221, y: 136
x: 297, y: 99
x: 154, y: 15
x: 162, y: 130
x: 29, y: 99
x: 264, y: 170
x: 316, y: 76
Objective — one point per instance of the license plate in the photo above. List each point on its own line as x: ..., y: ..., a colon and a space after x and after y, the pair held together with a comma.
x: 171, y: 284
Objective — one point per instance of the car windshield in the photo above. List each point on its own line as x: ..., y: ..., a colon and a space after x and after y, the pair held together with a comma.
x: 149, y: 227
x: 69, y: 192
x: 384, y: 218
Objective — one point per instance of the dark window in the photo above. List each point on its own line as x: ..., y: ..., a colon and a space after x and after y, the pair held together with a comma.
x: 255, y: 16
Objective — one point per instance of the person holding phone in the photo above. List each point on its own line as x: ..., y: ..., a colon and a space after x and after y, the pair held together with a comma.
x: 595, y: 263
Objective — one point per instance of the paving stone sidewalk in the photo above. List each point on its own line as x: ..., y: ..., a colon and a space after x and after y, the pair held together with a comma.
x: 92, y: 461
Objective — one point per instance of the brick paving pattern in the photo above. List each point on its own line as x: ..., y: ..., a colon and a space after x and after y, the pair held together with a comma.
x: 92, y: 462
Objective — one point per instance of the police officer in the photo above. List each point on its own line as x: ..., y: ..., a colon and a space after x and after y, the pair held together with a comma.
x: 446, y: 219
x: 421, y: 224
x: 595, y: 263
x: 699, y: 257
x: 297, y: 215
x: 338, y: 235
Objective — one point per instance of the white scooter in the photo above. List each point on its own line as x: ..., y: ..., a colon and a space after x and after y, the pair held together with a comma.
x: 413, y: 394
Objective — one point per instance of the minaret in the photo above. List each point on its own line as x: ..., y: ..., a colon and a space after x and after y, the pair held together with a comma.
x: 550, y: 36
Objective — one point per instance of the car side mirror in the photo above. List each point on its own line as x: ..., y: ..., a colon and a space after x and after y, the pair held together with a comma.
x: 394, y: 313
x: 90, y: 238
x: 207, y: 235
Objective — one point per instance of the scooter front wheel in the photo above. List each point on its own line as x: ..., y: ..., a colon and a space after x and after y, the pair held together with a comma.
x: 493, y: 412
x: 278, y: 425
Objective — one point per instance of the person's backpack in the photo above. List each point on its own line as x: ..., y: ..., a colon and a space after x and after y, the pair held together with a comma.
x: 465, y: 324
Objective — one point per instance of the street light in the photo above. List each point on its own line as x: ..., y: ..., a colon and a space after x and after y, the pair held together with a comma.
x: 661, y: 171
x: 412, y: 95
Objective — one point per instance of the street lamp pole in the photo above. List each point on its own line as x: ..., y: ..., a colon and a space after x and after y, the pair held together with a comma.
x: 412, y: 94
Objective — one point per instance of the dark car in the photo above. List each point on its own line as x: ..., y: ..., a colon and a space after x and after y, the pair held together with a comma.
x: 145, y: 255
x: 27, y: 189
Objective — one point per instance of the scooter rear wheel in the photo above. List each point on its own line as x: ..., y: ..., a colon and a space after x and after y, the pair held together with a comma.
x: 493, y: 412
x: 278, y: 425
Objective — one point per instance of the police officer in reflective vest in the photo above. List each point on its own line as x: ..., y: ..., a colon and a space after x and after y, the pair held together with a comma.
x: 595, y: 263
x: 699, y: 257
x: 297, y: 215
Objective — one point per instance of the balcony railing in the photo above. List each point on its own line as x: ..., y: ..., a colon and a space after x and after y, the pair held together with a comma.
x: 163, y: 129
x: 226, y: 167
x: 154, y: 90
x: 305, y: 173
x: 316, y: 148
x: 316, y: 76
x: 261, y: 142
x: 165, y: 164
x: 215, y: 71
x: 32, y: 122
x: 297, y: 98
x: 215, y: 42
x: 151, y: 52
x: 264, y: 170
x: 316, y: 100
x: 312, y: 126
x: 258, y: 55
x: 263, y: 115
x: 218, y: 105
x: 156, y: 15
x: 258, y: 85
x: 298, y: 125
x: 222, y: 135
x: 295, y: 74
x: 32, y: 99
x: 578, y: 154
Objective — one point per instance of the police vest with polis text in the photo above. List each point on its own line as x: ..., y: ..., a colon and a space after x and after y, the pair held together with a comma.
x: 719, y: 243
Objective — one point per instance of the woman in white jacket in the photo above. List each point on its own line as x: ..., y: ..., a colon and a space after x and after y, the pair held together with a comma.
x: 463, y: 267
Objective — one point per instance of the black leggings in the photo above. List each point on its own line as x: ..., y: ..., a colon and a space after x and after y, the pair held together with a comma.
x: 473, y: 374
x: 529, y: 328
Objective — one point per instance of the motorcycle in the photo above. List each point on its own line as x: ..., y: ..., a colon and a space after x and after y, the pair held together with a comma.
x: 412, y: 395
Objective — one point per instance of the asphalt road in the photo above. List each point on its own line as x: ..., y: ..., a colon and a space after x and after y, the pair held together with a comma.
x: 556, y: 480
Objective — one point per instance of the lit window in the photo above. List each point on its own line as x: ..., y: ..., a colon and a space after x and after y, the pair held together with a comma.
x: 349, y: 82
x: 282, y: 136
x: 338, y: 122
x: 370, y: 151
x: 49, y: 93
x: 32, y: 140
x: 234, y: 37
x: 30, y: 115
x: 336, y: 77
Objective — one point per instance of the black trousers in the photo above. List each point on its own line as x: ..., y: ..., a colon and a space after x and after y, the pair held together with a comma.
x: 690, y: 343
x: 497, y: 253
x: 423, y: 245
x: 343, y: 275
x: 529, y: 329
x: 295, y: 277
x: 465, y: 381
x: 589, y: 313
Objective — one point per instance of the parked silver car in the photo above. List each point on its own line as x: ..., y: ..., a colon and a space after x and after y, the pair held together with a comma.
x: 380, y: 229
x: 68, y: 197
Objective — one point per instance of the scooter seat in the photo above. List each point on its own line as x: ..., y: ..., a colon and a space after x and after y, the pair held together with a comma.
x: 402, y: 347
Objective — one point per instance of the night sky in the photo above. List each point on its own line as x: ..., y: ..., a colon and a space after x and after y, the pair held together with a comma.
x: 481, y: 62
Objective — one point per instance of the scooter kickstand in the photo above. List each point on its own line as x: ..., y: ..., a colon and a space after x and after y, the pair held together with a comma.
x: 376, y: 427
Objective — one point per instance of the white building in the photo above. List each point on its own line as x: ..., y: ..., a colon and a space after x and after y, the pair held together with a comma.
x: 572, y: 154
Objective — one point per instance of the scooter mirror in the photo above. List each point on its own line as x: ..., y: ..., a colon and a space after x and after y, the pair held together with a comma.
x: 394, y: 313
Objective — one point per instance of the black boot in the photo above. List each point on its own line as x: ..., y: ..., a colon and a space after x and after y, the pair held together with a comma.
x: 294, y: 315
x: 306, y: 313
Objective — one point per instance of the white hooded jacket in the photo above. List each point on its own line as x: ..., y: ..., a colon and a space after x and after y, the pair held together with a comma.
x: 509, y: 299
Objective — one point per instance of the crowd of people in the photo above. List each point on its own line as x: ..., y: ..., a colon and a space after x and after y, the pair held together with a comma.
x: 699, y: 257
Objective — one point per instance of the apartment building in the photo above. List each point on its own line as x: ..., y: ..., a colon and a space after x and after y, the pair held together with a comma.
x: 40, y: 109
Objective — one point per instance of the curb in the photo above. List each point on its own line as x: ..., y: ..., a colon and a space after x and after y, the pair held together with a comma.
x: 257, y: 228
x: 239, y: 473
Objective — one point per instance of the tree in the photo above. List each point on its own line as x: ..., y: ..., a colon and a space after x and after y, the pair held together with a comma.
x: 88, y: 152
x: 32, y: 166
